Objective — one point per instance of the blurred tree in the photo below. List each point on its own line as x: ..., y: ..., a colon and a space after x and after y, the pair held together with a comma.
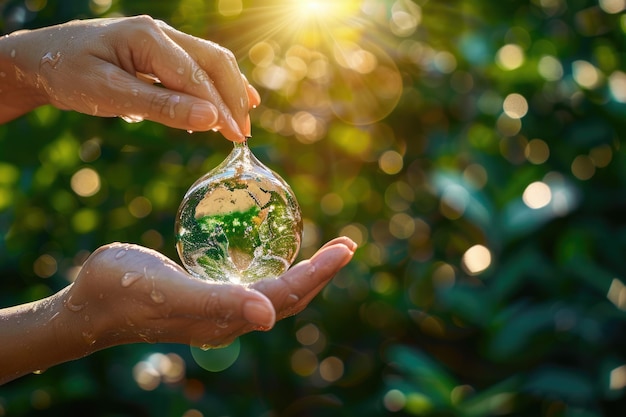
x: 472, y: 148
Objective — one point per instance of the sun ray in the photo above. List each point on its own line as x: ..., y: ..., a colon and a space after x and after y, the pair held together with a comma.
x: 345, y: 63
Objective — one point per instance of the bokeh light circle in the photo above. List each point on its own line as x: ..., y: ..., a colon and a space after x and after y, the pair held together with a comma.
x: 218, y: 359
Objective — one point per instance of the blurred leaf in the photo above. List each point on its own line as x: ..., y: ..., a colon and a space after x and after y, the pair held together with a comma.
x: 568, y: 385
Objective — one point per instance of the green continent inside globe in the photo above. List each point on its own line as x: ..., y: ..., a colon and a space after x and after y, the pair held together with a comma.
x: 239, y: 234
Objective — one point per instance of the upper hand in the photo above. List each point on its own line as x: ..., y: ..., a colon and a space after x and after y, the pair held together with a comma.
x: 100, y: 67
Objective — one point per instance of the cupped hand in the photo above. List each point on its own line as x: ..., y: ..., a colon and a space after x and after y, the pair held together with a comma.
x: 100, y: 67
x: 126, y: 294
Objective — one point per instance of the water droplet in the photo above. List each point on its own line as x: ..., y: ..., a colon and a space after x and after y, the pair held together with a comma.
x: 89, y: 102
x: 157, y: 296
x: 180, y: 70
x: 134, y: 92
x: 120, y: 254
x: 39, y: 371
x: 130, y: 278
x: 129, y: 118
x: 205, y: 347
x: 50, y: 59
x: 190, y: 131
x: 54, y: 316
x: 3, y: 74
x: 129, y: 322
x: 71, y: 306
x: 294, y: 298
x: 13, y: 53
x: 146, y: 336
x: 128, y: 105
x: 86, y: 318
x: 89, y: 338
x: 199, y: 76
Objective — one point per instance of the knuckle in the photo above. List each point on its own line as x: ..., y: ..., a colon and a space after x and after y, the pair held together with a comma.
x: 229, y: 56
x: 144, y: 27
x: 144, y: 19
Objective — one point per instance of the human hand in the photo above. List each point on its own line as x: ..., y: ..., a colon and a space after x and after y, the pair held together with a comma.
x: 100, y: 67
x: 126, y: 294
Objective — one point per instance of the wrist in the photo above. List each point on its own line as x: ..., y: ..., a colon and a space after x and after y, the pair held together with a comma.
x: 21, y: 87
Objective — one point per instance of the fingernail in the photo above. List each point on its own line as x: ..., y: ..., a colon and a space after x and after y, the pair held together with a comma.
x: 259, y: 313
x: 351, y: 244
x: 248, y: 127
x: 203, y: 116
x: 234, y: 128
x: 255, y: 98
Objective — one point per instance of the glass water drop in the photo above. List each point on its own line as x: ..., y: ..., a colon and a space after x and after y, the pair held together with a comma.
x: 239, y: 223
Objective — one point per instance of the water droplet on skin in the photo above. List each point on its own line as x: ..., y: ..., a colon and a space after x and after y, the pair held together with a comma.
x: 157, y: 296
x: 180, y: 71
x: 223, y: 322
x: 128, y: 105
x: 146, y: 337
x: 205, y: 347
x: 89, y: 338
x: 129, y: 322
x: 121, y: 253
x: 134, y: 92
x: 12, y: 53
x: 131, y: 118
x: 39, y: 371
x: 294, y: 298
x: 190, y: 131
x: 50, y: 59
x: 130, y: 278
x: 71, y: 306
x: 199, y: 76
x: 86, y: 318
x: 89, y: 102
x: 3, y: 74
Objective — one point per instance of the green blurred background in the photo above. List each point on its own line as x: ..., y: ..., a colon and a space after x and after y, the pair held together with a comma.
x: 474, y: 151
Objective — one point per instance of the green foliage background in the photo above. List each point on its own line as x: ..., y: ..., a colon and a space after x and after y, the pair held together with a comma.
x: 540, y: 332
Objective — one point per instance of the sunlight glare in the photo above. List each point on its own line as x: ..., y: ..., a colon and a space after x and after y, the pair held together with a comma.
x: 324, y: 9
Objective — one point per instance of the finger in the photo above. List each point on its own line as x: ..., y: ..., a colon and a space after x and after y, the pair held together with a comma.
x: 254, y: 98
x: 117, y: 93
x: 293, y: 291
x: 151, y: 50
x: 344, y: 240
x: 222, y: 69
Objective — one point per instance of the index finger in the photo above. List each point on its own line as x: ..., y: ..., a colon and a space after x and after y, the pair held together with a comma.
x: 222, y: 69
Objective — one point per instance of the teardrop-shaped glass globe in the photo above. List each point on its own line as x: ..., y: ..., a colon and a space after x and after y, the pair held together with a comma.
x: 239, y: 222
